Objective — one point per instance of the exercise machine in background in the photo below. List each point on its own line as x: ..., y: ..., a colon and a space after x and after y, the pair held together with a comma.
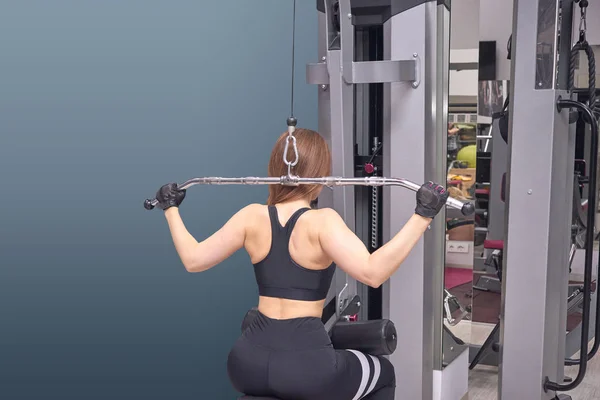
x: 382, y: 81
x: 381, y: 75
x: 539, y: 206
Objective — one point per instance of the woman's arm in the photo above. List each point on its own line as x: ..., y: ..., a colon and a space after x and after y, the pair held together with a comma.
x: 201, y: 256
x: 351, y: 255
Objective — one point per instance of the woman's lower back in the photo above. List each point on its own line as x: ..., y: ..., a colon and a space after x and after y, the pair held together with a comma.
x: 281, y: 309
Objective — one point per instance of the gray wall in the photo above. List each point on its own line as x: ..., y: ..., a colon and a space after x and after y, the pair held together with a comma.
x: 464, y: 24
x: 101, y: 102
x: 485, y: 20
x: 495, y: 23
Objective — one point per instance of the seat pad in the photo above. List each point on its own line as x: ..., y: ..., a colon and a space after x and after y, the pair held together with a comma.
x: 494, y: 244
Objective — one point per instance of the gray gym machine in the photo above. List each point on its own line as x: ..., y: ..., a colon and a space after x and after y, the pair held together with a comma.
x: 540, y: 184
x: 382, y: 79
x: 388, y: 61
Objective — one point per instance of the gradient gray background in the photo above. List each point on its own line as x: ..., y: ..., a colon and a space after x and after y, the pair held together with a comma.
x: 101, y: 102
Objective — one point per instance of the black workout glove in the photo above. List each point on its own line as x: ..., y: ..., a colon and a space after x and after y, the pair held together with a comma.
x: 431, y: 198
x: 169, y: 196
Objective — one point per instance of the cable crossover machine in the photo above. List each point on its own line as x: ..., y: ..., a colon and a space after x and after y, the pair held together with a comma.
x: 466, y: 208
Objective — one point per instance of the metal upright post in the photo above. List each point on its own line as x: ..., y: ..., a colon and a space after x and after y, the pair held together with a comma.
x: 415, y: 74
x: 336, y: 123
x: 415, y: 132
x: 539, y: 197
x: 336, y: 74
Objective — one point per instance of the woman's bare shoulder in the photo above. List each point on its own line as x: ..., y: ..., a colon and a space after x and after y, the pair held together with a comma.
x: 254, y: 207
x: 248, y: 216
x: 326, y: 212
x: 325, y: 216
x: 253, y: 211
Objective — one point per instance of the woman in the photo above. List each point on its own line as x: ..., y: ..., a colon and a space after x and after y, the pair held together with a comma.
x: 286, y: 351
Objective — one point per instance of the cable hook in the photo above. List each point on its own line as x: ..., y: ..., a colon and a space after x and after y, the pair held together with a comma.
x: 583, y: 21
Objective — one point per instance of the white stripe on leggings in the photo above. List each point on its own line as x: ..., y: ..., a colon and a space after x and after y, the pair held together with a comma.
x: 366, y: 370
x: 376, y: 374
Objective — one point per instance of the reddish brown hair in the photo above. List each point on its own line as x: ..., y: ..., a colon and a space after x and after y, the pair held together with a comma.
x: 314, y: 161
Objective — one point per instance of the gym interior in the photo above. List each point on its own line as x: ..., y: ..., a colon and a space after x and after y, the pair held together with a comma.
x: 101, y: 101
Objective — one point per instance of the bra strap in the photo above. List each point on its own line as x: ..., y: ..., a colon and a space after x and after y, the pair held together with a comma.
x: 291, y: 223
x: 275, y: 224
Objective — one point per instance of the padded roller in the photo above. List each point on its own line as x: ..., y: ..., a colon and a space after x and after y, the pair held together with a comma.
x: 377, y: 337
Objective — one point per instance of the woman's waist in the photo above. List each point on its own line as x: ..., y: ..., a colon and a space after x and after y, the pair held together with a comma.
x: 284, y: 309
x: 299, y: 333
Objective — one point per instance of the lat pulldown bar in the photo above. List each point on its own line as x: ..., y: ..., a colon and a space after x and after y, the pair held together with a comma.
x: 466, y: 208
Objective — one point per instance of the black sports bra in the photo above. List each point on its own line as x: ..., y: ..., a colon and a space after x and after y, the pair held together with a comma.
x: 279, y: 276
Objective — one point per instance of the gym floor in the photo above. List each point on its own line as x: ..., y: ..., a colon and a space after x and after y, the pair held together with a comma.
x: 483, y: 379
x: 483, y: 382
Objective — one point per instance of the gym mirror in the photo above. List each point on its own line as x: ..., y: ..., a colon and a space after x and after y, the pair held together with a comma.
x: 491, y: 158
x: 461, y: 180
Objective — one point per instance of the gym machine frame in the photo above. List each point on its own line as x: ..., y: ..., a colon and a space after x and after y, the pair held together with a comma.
x: 411, y: 68
x: 538, y: 247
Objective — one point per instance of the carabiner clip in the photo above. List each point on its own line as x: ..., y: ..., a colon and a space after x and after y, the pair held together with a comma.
x: 583, y: 24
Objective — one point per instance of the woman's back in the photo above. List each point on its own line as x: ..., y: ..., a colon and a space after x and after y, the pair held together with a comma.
x: 283, y: 244
x: 286, y: 351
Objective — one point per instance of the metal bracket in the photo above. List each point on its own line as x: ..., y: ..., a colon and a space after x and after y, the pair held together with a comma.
x: 352, y: 308
x: 341, y: 300
x: 341, y: 38
x: 368, y: 72
x: 317, y: 74
x: 417, y: 81
x: 383, y: 71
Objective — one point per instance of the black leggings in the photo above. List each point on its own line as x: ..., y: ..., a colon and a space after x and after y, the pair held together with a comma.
x: 294, y: 359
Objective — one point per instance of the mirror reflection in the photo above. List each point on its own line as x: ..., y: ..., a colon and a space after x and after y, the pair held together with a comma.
x: 461, y: 168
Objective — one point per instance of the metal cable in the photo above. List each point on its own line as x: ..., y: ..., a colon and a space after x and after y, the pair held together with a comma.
x: 293, y: 58
x: 291, y: 121
x: 594, y: 105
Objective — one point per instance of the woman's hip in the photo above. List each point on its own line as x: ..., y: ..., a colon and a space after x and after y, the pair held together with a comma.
x: 304, y: 333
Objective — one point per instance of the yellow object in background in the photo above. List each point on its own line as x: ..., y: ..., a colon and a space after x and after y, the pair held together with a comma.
x: 460, y: 178
x: 468, y: 154
x: 465, y: 177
